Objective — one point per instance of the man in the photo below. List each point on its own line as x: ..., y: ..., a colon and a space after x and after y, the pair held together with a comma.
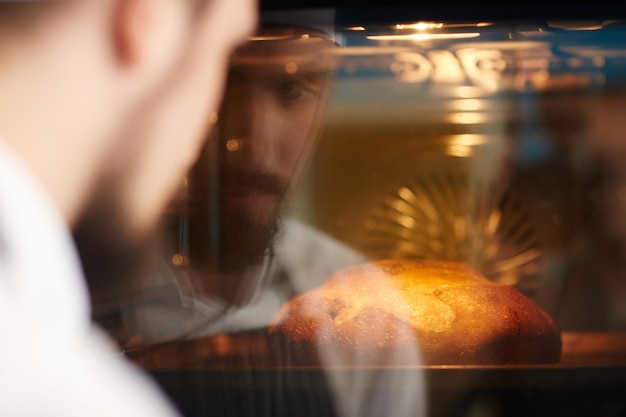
x: 239, y: 256
x: 103, y: 110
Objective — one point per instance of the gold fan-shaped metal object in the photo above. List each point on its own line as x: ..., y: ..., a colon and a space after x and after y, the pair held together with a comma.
x: 452, y: 216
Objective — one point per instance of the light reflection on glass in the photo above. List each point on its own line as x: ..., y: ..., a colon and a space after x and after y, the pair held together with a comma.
x: 421, y: 26
x: 420, y: 37
x: 178, y: 259
x: 469, y: 91
x: 460, y: 151
x: 464, y: 118
x: 468, y: 105
x: 291, y: 68
x: 233, y: 145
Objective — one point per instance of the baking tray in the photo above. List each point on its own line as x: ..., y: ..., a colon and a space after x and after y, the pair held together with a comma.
x: 590, y: 380
x: 449, y: 391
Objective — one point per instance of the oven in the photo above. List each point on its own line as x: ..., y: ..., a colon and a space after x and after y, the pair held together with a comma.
x: 476, y: 133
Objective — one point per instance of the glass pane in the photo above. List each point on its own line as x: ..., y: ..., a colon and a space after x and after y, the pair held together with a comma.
x: 483, y: 157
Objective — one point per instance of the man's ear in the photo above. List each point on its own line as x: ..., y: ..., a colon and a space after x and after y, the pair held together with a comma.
x: 127, y: 30
x: 146, y: 31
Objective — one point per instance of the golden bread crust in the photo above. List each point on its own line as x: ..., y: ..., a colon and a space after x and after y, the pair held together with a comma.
x: 396, y: 311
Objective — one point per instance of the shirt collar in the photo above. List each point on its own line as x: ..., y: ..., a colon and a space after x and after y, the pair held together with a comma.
x: 41, y: 266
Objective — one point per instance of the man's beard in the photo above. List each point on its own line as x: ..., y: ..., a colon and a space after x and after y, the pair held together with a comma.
x: 230, y: 239
x: 116, y: 258
x: 245, y: 240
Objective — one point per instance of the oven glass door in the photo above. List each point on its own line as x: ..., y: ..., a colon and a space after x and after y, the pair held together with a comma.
x: 354, y: 135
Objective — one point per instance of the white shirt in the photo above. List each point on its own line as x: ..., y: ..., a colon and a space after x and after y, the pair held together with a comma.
x: 53, y: 361
x: 303, y: 258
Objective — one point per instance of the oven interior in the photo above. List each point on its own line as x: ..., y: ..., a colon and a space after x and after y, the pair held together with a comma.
x: 496, y: 141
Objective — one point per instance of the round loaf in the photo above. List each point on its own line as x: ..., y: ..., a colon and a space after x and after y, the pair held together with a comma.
x: 413, y: 312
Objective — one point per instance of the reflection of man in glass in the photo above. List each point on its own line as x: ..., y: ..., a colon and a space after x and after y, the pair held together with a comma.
x: 243, y: 258
x: 238, y: 257
x: 276, y: 91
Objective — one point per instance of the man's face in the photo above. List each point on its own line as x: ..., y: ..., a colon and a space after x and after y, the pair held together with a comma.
x: 267, y: 127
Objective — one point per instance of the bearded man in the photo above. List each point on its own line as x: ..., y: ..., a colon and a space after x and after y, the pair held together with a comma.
x: 238, y: 255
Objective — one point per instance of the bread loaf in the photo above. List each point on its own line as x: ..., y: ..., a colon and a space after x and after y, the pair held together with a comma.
x: 376, y: 313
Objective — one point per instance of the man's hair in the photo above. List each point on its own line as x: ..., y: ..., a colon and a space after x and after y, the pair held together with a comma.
x: 22, y: 17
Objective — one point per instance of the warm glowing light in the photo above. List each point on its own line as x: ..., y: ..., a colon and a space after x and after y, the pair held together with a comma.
x: 291, y: 68
x: 468, y: 91
x: 467, y: 139
x: 178, y: 259
x: 460, y: 151
x: 481, y: 66
x: 421, y: 26
x: 420, y: 37
x: 468, y: 104
x: 468, y: 118
x: 355, y: 28
x: 233, y: 145
x: 270, y: 38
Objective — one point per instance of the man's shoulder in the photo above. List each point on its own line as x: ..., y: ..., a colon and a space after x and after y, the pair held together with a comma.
x: 297, y: 234
x: 308, y: 255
